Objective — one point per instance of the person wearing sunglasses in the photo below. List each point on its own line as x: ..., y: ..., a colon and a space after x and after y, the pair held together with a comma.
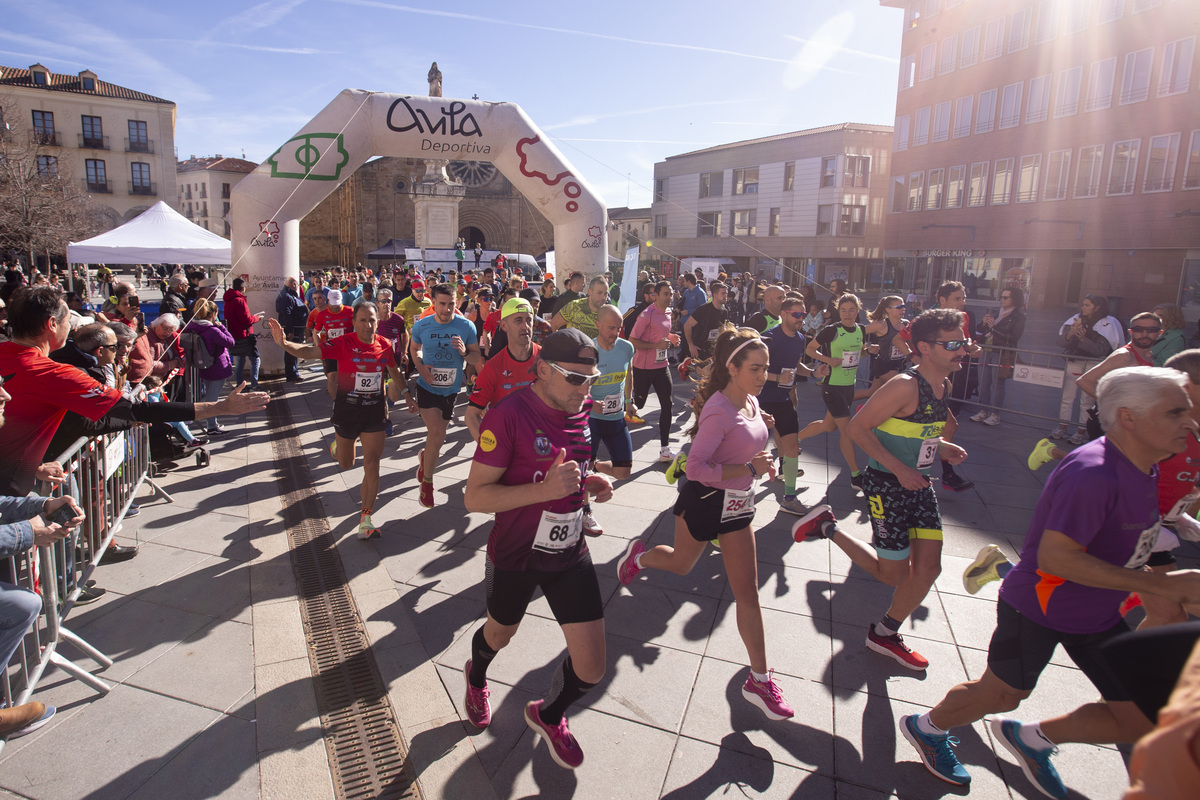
x: 884, y: 329
x: 903, y: 428
x: 1144, y: 330
x: 528, y: 471
x: 728, y: 456
x: 785, y: 346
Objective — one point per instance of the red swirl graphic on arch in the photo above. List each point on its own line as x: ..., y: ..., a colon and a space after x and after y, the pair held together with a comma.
x: 528, y: 173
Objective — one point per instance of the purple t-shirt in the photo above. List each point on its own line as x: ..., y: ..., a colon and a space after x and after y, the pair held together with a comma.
x: 523, y: 435
x: 726, y: 436
x: 1100, y: 499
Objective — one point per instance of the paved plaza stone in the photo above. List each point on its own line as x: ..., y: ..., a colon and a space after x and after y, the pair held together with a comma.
x: 213, y: 693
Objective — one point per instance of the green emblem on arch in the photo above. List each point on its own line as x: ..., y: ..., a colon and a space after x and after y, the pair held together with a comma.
x: 310, y: 157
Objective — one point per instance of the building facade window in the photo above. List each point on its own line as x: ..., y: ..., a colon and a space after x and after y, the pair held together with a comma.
x: 660, y: 189
x: 97, y: 176
x: 1047, y: 21
x: 47, y: 166
x: 140, y: 178
x: 1176, y: 74
x: 1087, y: 174
x: 711, y: 184
x: 949, y: 54
x: 993, y: 39
x: 789, y: 176
x: 933, y: 197
x: 1100, y: 84
x: 985, y: 116
x: 138, y: 138
x: 1039, y: 100
x: 1135, y: 81
x: 1078, y: 12
x: 956, y: 186
x: 825, y: 220
x: 921, y: 128
x: 745, y: 180
x: 900, y: 141
x: 853, y: 221
x: 1123, y: 167
x: 1028, y: 177
x: 93, y: 132
x: 1069, y: 81
x: 1002, y: 178
x: 1191, y: 171
x: 1010, y: 106
x: 1144, y: 5
x: 916, y: 191
x: 941, y: 122
x: 1110, y: 11
x: 709, y: 224
x: 745, y: 222
x: 1020, y: 23
x: 1162, y: 155
x: 773, y: 224
x: 908, y: 72
x: 88, y: 84
x: 963, y: 116
x: 857, y: 173
x: 43, y: 127
x: 977, y: 189
x: 928, y: 62
x: 225, y: 190
x: 829, y: 171
x: 1058, y: 173
x: 899, y: 194
x: 968, y: 54
x: 660, y: 226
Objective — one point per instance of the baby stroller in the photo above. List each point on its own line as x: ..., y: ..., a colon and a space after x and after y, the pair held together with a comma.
x: 167, y: 441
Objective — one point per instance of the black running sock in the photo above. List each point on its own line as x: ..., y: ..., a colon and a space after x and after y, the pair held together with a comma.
x: 1004, y: 568
x: 947, y: 469
x: 565, y: 690
x: 887, y: 626
x: 481, y: 659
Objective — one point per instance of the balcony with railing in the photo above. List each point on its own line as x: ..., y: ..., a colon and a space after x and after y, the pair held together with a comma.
x: 46, y: 138
x: 93, y: 142
x: 97, y: 186
x: 143, y: 188
x: 139, y: 146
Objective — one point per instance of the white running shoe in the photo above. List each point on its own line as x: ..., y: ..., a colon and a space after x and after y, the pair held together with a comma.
x: 981, y: 416
x: 590, y: 526
x: 666, y: 455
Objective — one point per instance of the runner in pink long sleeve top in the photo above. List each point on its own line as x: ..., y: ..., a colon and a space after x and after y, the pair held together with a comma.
x: 726, y: 436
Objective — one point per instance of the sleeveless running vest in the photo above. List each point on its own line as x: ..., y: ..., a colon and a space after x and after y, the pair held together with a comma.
x: 905, y: 437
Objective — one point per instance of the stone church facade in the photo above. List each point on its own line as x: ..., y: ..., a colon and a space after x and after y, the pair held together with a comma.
x: 375, y: 205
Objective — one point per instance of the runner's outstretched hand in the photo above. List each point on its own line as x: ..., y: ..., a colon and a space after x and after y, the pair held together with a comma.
x: 236, y: 403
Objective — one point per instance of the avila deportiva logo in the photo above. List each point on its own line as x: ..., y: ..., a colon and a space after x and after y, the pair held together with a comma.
x: 268, y: 234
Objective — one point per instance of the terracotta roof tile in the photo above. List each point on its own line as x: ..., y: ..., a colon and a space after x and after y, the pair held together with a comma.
x: 16, y: 76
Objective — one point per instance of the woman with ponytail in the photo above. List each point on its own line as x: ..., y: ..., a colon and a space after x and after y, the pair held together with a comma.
x: 728, y: 455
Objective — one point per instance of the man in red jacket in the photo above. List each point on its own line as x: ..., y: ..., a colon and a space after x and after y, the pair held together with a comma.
x: 241, y: 327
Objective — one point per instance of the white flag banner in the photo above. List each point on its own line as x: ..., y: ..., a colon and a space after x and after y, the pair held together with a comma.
x: 629, y: 296
x: 550, y: 267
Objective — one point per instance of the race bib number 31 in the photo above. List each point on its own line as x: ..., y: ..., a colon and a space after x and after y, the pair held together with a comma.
x: 928, y: 453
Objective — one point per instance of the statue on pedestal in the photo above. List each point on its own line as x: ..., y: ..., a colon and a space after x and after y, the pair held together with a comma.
x: 435, y: 81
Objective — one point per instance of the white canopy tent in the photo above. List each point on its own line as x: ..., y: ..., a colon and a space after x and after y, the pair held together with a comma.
x: 158, y: 235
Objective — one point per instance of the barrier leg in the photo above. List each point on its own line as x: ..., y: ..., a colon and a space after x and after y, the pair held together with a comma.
x: 78, y: 672
x: 104, y: 661
x: 158, y: 489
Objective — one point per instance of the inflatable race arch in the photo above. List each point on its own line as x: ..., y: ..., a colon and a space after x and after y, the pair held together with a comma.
x: 268, y: 204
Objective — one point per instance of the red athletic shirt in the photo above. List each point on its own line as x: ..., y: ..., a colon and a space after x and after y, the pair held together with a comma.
x: 334, y: 324
x: 501, y: 376
x: 491, y: 323
x: 43, y: 391
x: 1178, y: 476
x: 361, y: 368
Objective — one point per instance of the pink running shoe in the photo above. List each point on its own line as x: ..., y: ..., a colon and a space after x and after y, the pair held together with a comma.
x: 811, y: 523
x: 479, y: 710
x: 627, y: 568
x: 563, y: 748
x: 767, y: 697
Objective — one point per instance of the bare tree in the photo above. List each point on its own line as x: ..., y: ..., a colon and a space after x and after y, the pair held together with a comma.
x: 41, y: 207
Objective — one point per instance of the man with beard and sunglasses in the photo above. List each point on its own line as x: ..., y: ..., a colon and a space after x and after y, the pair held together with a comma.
x: 904, y: 428
x: 1144, y: 330
x: 528, y: 471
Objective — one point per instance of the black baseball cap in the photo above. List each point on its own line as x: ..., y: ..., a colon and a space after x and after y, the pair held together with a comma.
x: 570, y: 346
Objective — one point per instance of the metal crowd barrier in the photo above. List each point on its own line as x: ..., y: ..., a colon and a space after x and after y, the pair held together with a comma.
x: 103, y: 474
x: 1035, y: 388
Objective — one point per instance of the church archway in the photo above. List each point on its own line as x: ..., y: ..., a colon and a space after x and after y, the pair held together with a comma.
x: 268, y: 204
x: 472, y: 236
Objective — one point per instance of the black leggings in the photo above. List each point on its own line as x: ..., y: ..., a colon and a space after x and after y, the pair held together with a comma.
x: 660, y: 380
x: 1148, y: 663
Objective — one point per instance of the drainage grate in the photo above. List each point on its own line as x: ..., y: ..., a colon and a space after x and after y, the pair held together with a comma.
x: 366, y: 754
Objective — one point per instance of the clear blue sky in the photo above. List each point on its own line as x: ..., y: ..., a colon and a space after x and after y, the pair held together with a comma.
x: 618, y: 85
